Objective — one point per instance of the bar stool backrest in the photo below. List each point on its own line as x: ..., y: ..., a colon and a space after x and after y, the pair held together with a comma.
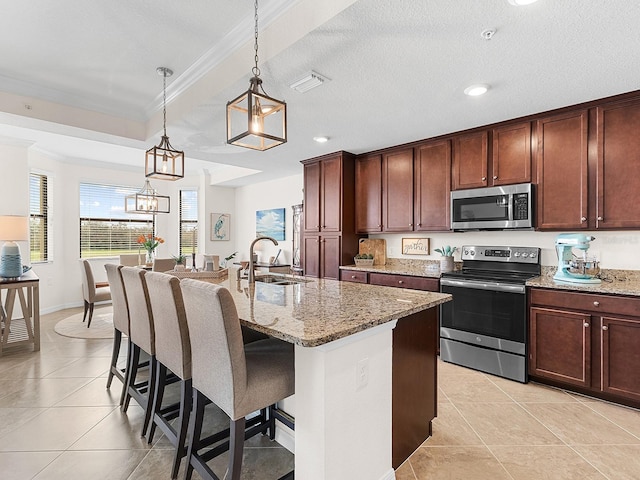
x: 118, y: 298
x: 141, y: 330
x: 173, y: 347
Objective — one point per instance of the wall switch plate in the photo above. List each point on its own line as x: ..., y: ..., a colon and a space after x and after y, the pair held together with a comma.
x: 362, y: 373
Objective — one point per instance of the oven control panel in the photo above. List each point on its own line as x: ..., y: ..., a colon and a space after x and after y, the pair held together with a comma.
x: 501, y: 254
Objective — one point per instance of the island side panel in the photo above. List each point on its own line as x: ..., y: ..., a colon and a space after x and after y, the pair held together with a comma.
x: 414, y: 382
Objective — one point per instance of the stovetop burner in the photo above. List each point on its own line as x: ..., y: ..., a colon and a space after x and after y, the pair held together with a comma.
x: 504, y: 264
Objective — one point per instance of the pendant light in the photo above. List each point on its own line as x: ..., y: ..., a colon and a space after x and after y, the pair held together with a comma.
x: 163, y: 161
x: 255, y: 120
x: 147, y: 201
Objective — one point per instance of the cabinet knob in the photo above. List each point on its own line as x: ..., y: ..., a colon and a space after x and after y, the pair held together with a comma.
x: 600, y: 219
x: 317, y: 226
x: 583, y: 219
x: 400, y: 281
x: 585, y: 324
x: 596, y: 304
x: 495, y: 177
x: 419, y: 224
x: 380, y: 225
x: 484, y: 179
x: 353, y: 276
x: 605, y: 327
x: 411, y: 224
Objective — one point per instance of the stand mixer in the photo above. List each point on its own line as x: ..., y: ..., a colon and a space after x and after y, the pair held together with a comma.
x: 572, y: 268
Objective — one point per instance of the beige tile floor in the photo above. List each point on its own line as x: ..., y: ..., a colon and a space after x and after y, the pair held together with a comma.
x: 489, y: 428
x: 57, y: 421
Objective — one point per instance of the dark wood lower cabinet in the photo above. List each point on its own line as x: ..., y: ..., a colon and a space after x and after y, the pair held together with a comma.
x: 586, y: 342
x: 414, y: 382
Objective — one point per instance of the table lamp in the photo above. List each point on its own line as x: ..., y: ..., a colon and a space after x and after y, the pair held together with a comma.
x: 13, y: 228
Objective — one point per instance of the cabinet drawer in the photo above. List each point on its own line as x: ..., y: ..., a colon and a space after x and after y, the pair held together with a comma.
x: 586, y: 302
x: 354, y: 276
x: 404, y: 281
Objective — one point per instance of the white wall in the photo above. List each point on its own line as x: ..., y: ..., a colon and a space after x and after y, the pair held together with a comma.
x: 281, y: 193
x: 616, y: 250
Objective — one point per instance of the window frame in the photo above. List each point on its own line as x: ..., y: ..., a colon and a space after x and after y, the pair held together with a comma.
x: 43, y: 215
x: 188, y: 248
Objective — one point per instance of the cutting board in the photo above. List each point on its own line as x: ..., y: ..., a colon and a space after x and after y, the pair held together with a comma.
x: 376, y: 246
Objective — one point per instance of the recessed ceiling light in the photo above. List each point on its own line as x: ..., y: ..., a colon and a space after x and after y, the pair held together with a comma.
x: 321, y: 139
x: 475, y: 90
x: 519, y: 3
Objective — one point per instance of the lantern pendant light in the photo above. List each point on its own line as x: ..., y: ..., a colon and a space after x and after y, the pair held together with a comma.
x: 163, y: 161
x: 147, y: 201
x: 255, y: 120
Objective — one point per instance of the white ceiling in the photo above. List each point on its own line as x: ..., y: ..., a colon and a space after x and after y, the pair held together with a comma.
x: 78, y: 77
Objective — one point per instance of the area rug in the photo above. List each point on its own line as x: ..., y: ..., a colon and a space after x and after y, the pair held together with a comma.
x: 101, y: 325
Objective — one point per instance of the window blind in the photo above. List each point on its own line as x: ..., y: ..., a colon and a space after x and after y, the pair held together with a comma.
x: 188, y: 222
x: 38, y: 218
x: 106, y: 230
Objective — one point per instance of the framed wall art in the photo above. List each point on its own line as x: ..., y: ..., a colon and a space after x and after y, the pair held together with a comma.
x: 220, y: 226
x: 415, y: 246
x: 271, y: 223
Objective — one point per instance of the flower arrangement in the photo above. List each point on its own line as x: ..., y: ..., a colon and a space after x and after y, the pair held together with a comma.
x: 446, y: 251
x: 149, y: 242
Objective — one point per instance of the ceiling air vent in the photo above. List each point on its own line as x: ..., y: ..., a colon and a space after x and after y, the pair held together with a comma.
x: 309, y: 81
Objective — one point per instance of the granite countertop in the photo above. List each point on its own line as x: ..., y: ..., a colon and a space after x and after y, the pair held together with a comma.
x: 396, y: 266
x: 318, y: 311
x: 614, y: 282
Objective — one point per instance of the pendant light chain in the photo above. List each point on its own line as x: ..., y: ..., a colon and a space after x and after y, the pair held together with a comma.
x: 164, y: 101
x: 256, y: 70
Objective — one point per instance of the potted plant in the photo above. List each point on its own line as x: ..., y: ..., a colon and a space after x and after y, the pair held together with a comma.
x: 364, y: 259
x: 446, y: 262
x: 181, y: 261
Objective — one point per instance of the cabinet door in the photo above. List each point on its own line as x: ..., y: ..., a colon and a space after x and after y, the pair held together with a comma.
x: 432, y: 176
x: 330, y: 257
x: 331, y: 194
x: 312, y: 197
x: 560, y: 346
x: 618, y: 176
x: 621, y: 357
x: 470, y: 161
x: 562, y: 189
x: 311, y: 255
x: 369, y: 194
x: 397, y: 191
x: 512, y: 154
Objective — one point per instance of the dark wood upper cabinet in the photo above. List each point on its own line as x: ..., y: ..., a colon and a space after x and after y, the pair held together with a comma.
x: 470, y: 160
x: 369, y: 194
x: 618, y: 165
x: 312, y: 197
x: 432, y: 177
x: 397, y: 191
x: 511, y: 159
x: 562, y: 181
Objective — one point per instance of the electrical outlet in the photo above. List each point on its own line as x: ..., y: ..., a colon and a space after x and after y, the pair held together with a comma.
x: 362, y: 373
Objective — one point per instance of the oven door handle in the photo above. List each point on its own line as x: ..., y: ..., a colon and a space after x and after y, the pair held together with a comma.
x: 480, y: 285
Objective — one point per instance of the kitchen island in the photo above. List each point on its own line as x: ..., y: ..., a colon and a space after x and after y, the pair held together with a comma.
x: 344, y: 352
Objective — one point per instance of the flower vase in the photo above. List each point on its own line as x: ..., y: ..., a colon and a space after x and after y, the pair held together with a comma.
x: 148, y: 260
x: 446, y: 264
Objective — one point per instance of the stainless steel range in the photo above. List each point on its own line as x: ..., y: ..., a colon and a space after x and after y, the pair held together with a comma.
x: 484, y: 327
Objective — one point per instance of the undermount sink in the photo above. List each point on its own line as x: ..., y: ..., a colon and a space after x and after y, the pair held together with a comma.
x: 277, y: 280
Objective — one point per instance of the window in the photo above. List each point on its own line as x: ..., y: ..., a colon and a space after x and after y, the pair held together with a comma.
x: 38, y: 217
x: 106, y: 230
x: 188, y: 222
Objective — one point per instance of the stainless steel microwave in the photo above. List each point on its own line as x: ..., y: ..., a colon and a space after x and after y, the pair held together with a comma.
x: 493, y: 208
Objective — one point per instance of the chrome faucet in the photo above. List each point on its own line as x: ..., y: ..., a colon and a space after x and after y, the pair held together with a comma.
x: 252, y: 275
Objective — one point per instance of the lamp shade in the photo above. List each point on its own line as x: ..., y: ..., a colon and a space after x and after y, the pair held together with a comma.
x: 13, y: 229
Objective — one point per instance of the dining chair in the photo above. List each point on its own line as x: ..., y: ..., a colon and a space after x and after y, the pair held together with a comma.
x: 130, y: 259
x: 173, y: 353
x: 239, y: 378
x: 163, y: 264
x: 92, y: 292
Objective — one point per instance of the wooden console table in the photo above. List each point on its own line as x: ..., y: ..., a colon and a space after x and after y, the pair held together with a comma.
x: 26, y: 330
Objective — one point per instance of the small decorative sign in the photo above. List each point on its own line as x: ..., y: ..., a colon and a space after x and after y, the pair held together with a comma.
x: 415, y: 246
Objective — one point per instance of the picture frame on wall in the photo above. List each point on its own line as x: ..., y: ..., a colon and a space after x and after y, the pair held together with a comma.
x: 415, y: 246
x: 271, y: 223
x: 220, y: 226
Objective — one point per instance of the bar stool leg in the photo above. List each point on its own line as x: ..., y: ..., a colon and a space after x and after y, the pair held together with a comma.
x: 236, y: 447
x: 117, y: 338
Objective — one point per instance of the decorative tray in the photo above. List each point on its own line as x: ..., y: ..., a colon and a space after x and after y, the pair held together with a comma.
x: 223, y: 272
